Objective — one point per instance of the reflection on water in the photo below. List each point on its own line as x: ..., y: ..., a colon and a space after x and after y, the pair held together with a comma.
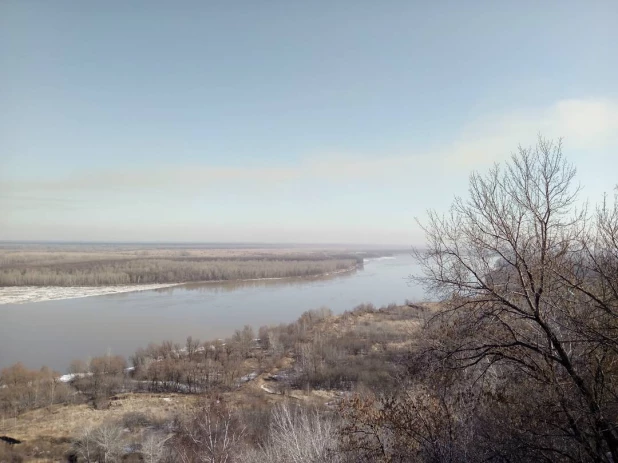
x: 216, y: 287
x: 55, y: 332
x: 229, y: 286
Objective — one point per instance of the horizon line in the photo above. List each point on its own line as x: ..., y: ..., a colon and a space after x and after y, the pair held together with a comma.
x: 218, y: 243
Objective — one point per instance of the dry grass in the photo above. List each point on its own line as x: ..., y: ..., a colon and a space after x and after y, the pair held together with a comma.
x: 403, y: 321
x: 66, y: 420
x: 47, y: 433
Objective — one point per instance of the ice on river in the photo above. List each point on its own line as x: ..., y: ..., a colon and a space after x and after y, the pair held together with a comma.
x: 23, y: 294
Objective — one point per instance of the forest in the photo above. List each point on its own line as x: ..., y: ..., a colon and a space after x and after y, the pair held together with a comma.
x: 516, y: 361
x: 103, y: 268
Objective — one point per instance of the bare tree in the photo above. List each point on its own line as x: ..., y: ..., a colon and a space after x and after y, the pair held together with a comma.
x: 297, y: 435
x: 275, y: 346
x: 48, y: 378
x: 103, y: 443
x: 154, y: 448
x: 85, y: 446
x: 210, y: 434
x: 192, y: 346
x: 243, y: 341
x: 106, y: 376
x: 108, y: 440
x: 528, y: 284
x: 78, y: 366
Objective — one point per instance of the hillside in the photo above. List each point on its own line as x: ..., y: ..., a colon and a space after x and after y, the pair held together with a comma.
x: 316, y: 362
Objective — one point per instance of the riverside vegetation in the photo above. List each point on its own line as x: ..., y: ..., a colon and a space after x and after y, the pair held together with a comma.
x: 517, y: 362
x: 283, y: 383
x: 76, y: 267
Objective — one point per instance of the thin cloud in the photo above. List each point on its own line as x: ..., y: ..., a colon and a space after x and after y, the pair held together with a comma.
x: 584, y: 123
x: 38, y: 199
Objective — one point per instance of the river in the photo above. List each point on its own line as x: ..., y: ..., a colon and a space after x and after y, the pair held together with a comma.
x: 53, y: 333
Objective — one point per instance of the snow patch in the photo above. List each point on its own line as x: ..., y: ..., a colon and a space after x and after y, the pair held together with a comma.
x: 25, y: 294
x: 370, y: 259
x: 267, y: 389
x: 249, y: 377
x: 71, y: 376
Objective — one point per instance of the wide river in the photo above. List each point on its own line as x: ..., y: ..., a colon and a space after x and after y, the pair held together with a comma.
x: 53, y: 333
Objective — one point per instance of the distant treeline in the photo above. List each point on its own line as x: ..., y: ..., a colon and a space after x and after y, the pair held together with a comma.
x: 63, y: 259
x: 149, y: 270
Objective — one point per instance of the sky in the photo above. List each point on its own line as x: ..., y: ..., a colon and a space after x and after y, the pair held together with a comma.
x: 289, y: 122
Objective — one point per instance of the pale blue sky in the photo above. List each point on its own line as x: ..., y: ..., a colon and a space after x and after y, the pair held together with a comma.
x: 287, y: 121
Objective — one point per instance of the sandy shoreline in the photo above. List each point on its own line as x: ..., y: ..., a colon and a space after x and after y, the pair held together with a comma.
x: 28, y: 294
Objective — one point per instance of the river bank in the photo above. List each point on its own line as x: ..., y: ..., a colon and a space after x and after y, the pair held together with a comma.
x: 90, y: 326
x: 28, y: 294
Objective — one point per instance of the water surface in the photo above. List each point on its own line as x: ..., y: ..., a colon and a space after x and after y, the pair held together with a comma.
x: 55, y: 332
